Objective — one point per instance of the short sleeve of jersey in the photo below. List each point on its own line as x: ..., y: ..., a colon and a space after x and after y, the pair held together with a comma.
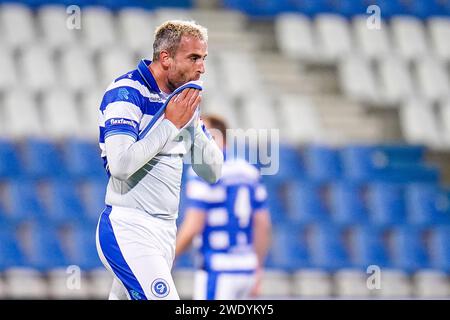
x: 121, y: 107
x: 259, y: 196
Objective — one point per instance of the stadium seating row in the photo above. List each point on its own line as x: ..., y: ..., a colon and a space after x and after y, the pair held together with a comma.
x: 325, y: 247
x: 320, y: 246
x: 328, y: 38
x: 36, y: 158
x: 357, y: 162
x: 348, y: 8
x: 20, y: 283
x: 56, y: 202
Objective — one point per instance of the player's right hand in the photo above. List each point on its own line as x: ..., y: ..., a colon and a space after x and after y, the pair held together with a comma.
x: 182, y: 106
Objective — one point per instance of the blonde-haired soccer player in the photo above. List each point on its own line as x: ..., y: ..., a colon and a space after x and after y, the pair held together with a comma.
x: 149, y: 121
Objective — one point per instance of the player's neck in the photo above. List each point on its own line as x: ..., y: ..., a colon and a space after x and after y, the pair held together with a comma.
x: 160, y: 75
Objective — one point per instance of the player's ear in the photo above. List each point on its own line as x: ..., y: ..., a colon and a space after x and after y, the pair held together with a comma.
x: 165, y: 58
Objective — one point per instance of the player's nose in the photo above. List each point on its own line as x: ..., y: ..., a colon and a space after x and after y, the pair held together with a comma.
x: 201, y: 68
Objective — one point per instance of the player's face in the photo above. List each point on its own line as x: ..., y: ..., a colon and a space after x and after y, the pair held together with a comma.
x: 188, y: 62
x: 216, y: 134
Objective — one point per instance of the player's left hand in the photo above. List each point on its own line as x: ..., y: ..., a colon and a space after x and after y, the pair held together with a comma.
x: 256, y: 289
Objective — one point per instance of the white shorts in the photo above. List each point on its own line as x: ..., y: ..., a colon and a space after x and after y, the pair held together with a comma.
x: 138, y: 250
x: 216, y: 285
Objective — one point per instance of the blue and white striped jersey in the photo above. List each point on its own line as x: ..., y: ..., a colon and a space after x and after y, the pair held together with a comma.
x: 128, y: 106
x: 226, y: 243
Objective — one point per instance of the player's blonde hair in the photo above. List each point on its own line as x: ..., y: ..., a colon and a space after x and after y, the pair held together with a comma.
x: 168, y: 35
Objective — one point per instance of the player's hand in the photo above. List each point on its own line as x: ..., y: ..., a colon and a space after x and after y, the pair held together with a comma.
x: 182, y: 106
x: 256, y: 289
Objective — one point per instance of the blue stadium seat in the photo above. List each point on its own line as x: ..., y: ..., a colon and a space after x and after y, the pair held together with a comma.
x: 406, y: 173
x: 288, y: 249
x: 386, y: 204
x: 347, y: 203
x: 113, y: 4
x: 439, y: 248
x: 43, y: 249
x: 291, y: 165
x: 93, y: 199
x: 306, y: 203
x: 81, y: 249
x: 10, y: 253
x: 422, y: 9
x: 9, y: 160
x: 256, y: 8
x: 427, y: 204
x: 388, y: 8
x: 64, y: 205
x: 403, y: 153
x: 348, y: 8
x: 4, y: 219
x: 275, y: 201
x: 322, y: 163
x: 118, y: 4
x: 23, y: 201
x: 367, y: 247
x: 362, y: 163
x: 407, y: 249
x: 42, y: 159
x: 326, y: 247
x: 386, y: 163
x: 311, y: 7
x: 82, y: 159
x: 444, y: 8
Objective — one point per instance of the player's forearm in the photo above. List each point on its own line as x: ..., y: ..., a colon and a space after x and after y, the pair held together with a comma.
x: 184, y: 240
x: 262, y: 236
x: 125, y: 156
x: 192, y: 226
x: 261, y: 248
x: 207, y: 158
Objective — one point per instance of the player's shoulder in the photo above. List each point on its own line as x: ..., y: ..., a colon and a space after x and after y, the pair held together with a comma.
x: 237, y: 167
x: 130, y: 75
x: 233, y: 171
x: 130, y: 80
x: 130, y: 87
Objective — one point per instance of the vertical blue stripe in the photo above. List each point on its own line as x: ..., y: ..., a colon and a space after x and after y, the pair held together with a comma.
x: 211, y: 285
x: 101, y: 137
x: 113, y: 255
x: 105, y: 165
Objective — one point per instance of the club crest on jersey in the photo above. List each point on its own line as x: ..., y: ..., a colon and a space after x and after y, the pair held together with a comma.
x: 160, y: 288
x: 123, y: 93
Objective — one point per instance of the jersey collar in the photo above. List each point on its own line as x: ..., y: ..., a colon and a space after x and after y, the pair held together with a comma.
x: 145, y: 73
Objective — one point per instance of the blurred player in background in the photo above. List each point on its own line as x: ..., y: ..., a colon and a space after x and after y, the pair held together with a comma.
x: 232, y: 224
x: 136, y: 232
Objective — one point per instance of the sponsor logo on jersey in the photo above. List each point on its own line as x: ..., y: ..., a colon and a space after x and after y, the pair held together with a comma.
x: 154, y: 97
x: 122, y: 121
